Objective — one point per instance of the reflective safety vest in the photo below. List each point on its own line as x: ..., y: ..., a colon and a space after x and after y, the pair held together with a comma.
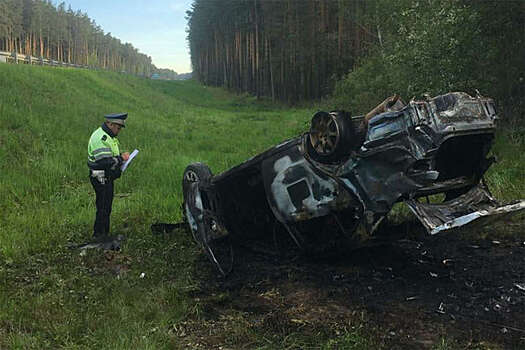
x: 101, y: 146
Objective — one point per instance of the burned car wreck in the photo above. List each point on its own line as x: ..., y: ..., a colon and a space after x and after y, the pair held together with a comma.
x: 335, y: 183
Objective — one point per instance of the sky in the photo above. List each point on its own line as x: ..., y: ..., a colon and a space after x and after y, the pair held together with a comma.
x: 156, y: 28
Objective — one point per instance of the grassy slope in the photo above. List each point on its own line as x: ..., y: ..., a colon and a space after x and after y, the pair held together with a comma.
x: 52, y: 297
x: 48, y: 115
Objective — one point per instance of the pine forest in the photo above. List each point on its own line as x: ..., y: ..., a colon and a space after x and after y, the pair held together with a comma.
x: 287, y: 49
x: 360, y: 51
x: 41, y: 29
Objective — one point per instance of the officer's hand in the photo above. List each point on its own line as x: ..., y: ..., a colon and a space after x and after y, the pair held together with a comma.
x: 125, y: 156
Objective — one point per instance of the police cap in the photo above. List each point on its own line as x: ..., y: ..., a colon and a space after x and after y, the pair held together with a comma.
x: 117, y: 118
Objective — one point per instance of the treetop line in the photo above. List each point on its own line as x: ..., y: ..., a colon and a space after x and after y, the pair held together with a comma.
x: 38, y: 28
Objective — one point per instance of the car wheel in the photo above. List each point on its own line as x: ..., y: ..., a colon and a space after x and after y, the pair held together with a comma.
x: 192, y: 201
x: 331, y: 136
x: 205, y: 227
x: 194, y: 173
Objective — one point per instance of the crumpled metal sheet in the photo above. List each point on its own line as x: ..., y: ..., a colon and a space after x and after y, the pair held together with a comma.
x: 475, y: 206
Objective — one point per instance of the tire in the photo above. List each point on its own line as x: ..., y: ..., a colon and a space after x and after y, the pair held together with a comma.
x: 332, y: 136
x: 202, y: 221
x: 192, y: 176
x: 195, y: 172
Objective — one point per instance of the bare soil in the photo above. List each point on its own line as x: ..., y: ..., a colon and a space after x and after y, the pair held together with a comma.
x: 408, y: 293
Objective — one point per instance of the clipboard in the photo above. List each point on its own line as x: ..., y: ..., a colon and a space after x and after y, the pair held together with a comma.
x: 128, y: 162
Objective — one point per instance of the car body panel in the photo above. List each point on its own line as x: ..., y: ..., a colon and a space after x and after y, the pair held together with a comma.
x: 475, y: 206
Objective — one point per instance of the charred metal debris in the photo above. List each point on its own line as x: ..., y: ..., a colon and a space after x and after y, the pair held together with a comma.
x: 335, y: 183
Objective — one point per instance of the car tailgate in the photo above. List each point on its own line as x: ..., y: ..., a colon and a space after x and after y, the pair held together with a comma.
x: 476, y: 206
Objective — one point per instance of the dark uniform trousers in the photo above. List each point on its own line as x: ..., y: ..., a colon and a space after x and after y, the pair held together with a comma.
x: 104, y: 200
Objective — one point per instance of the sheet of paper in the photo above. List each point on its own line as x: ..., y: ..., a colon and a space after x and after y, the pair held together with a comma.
x: 127, y: 162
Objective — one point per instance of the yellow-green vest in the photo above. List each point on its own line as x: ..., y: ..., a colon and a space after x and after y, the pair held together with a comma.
x: 101, y: 145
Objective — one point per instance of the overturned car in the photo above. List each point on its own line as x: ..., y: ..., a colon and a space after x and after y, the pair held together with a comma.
x: 334, y: 184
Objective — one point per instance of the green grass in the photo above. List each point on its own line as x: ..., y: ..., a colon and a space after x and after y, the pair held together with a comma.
x: 506, y: 177
x: 50, y: 296
x: 47, y: 116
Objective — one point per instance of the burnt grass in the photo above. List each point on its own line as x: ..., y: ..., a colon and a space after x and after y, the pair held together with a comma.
x: 405, y: 293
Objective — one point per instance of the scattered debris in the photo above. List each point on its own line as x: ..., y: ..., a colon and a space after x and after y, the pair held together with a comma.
x: 105, y: 243
x: 338, y: 277
x: 142, y: 275
x: 520, y: 286
x: 298, y: 321
x: 262, y: 289
x: 441, y: 308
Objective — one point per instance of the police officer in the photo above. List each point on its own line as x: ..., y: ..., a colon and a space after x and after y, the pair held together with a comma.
x: 104, y: 162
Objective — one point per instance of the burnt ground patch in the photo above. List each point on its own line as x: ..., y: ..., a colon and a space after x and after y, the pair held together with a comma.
x: 408, y: 293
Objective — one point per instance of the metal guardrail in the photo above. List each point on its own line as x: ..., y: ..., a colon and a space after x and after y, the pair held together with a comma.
x: 13, y: 57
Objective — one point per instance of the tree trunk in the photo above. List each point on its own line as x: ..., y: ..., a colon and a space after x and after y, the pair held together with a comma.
x: 272, y: 85
x: 340, y: 28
